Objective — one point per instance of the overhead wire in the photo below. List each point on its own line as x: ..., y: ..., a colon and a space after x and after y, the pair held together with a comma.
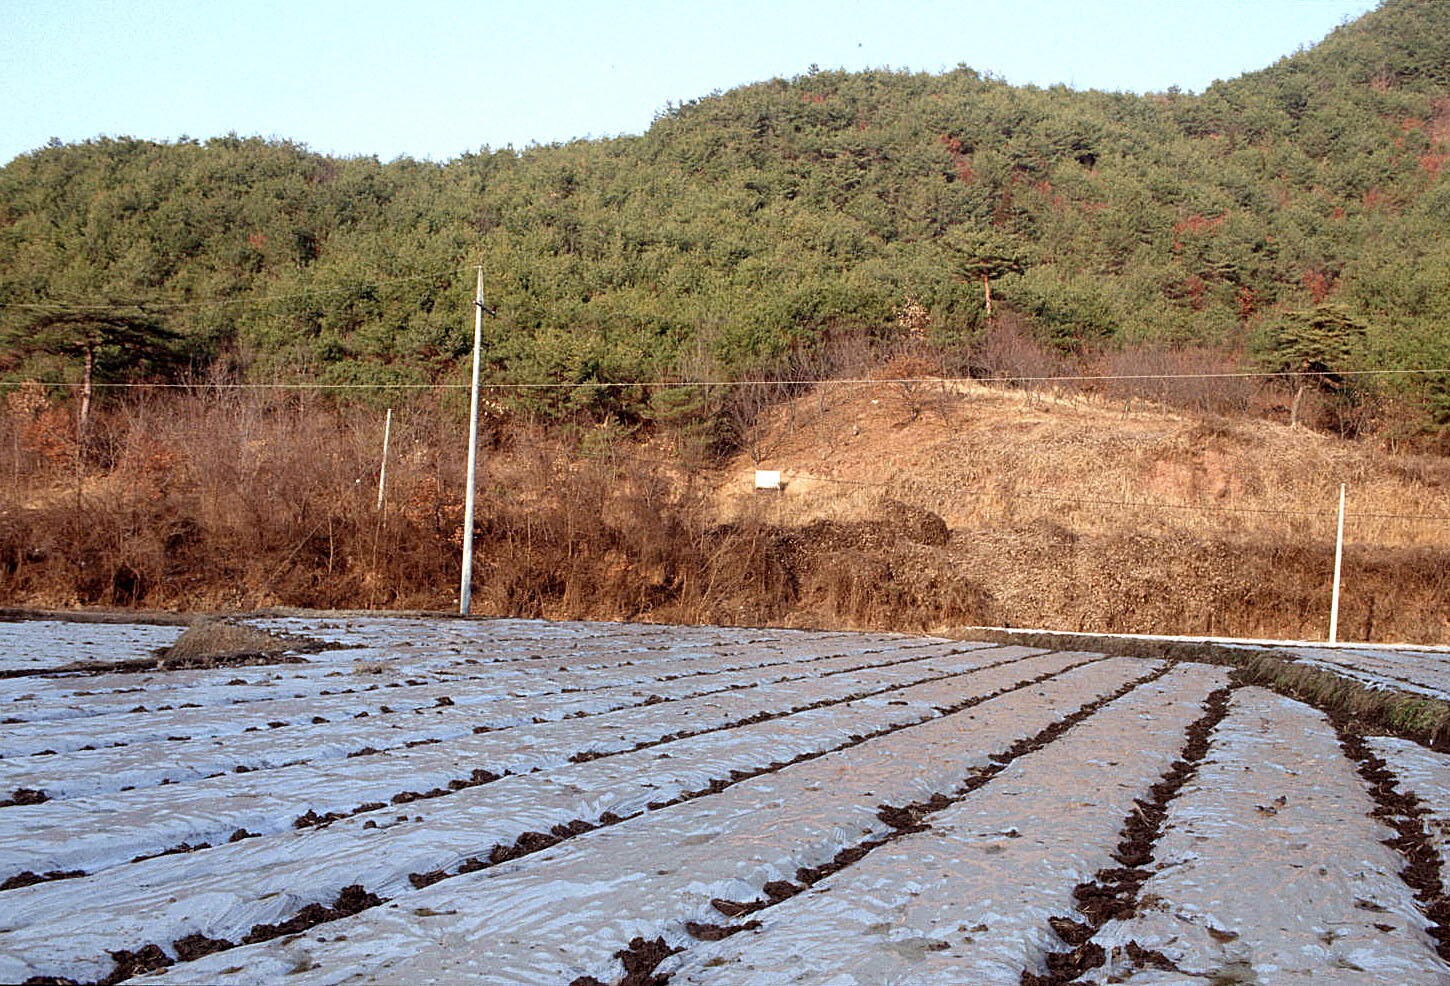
x: 265, y: 301
x: 745, y: 382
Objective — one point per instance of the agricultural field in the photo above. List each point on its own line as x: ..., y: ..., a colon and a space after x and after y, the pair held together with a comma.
x: 508, y: 801
x: 1388, y: 668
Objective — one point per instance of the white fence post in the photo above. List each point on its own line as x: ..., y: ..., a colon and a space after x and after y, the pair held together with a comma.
x: 383, y: 469
x: 1338, y: 568
x: 465, y: 582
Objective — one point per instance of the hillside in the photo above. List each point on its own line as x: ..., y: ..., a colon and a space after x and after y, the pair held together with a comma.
x: 745, y: 228
x: 1076, y: 512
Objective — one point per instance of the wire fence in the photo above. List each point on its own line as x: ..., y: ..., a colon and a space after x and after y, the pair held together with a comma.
x: 779, y: 382
x: 1104, y: 503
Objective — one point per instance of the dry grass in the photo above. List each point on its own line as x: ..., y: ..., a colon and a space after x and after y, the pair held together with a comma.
x: 223, y: 502
x: 1071, y: 512
x: 1005, y: 457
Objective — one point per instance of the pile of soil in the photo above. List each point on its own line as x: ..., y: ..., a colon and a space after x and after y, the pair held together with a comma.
x: 212, y: 642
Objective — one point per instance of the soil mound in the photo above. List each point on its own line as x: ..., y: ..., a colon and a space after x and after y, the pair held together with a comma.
x: 224, y: 639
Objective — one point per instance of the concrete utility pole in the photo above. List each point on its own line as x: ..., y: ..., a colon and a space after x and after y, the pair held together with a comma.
x: 465, y: 588
x: 1338, y: 567
x: 383, y: 469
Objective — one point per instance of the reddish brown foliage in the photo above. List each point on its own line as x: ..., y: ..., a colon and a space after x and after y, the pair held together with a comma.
x: 1319, y: 284
x: 1247, y: 300
x: 1375, y: 199
x: 1198, y: 225
x: 961, y: 161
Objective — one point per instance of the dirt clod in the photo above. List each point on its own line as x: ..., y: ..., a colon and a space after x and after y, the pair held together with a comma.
x: 29, y: 878
x: 730, y: 908
x: 25, y: 796
x: 350, y: 900
x: 717, y: 932
x: 149, y: 958
x: 421, y: 880
x: 196, y: 945
x: 640, y: 960
x: 779, y: 890
x: 1071, y: 932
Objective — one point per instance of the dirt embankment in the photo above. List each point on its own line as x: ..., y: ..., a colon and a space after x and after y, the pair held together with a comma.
x: 1075, y: 514
x: 902, y: 512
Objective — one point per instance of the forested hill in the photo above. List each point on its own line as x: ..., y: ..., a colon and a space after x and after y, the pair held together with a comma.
x: 749, y: 224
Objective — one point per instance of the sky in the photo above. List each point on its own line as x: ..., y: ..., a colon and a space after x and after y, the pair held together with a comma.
x: 434, y: 79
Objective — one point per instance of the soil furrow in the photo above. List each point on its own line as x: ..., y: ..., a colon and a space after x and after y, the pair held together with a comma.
x: 529, y: 843
x: 176, y: 688
x: 905, y: 820
x: 61, y: 706
x: 615, y: 879
x: 1401, y: 810
x: 78, y: 834
x: 968, y: 898
x: 148, y: 764
x: 1277, y: 805
x: 1113, y: 893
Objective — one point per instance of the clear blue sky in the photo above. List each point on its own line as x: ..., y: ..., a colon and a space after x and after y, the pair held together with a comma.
x: 435, y: 79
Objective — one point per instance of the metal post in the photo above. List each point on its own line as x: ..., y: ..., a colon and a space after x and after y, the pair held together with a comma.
x: 1338, y: 567
x: 383, y: 469
x: 465, y: 588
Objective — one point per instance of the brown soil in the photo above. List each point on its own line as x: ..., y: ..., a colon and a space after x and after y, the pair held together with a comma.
x: 24, y: 796
x: 640, y: 960
x: 29, y: 878
x: 1113, y: 893
x: 128, y: 964
x: 350, y: 900
x: 1403, y: 812
x: 197, y: 945
x: 717, y: 932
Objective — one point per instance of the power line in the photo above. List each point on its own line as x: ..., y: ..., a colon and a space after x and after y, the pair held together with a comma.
x: 613, y: 454
x: 748, y: 382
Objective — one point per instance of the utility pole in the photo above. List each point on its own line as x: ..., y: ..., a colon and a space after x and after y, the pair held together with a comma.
x: 383, y: 469
x: 465, y: 588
